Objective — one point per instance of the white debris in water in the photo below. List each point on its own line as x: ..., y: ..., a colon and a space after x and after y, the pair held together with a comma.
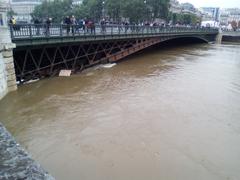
x: 90, y: 74
x: 109, y: 65
x: 89, y: 71
x: 31, y: 81
x: 65, y: 73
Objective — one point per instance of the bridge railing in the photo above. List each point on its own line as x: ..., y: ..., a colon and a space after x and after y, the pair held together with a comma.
x: 30, y: 31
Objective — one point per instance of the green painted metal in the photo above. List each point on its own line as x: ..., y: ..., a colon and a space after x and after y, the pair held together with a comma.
x: 30, y: 35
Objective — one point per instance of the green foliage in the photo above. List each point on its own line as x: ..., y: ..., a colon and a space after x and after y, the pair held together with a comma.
x: 190, y: 19
x: 115, y: 9
x: 56, y: 9
x: 134, y: 10
x: 11, y: 13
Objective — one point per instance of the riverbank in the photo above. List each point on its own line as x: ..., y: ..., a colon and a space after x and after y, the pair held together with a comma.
x: 15, y: 162
x: 230, y: 38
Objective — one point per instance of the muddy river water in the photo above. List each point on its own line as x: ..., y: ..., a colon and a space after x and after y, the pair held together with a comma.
x: 163, y: 114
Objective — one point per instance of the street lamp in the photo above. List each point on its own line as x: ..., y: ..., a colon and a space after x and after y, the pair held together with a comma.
x: 103, y: 9
x: 145, y: 2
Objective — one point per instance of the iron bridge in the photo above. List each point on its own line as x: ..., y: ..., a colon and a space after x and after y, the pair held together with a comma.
x: 43, y: 50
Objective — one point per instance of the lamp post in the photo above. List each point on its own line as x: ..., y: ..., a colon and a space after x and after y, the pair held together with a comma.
x: 145, y: 2
x: 103, y: 9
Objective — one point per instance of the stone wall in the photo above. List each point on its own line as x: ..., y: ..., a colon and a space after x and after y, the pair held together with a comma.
x: 7, y: 70
x: 3, y: 78
x: 10, y: 69
x: 16, y: 163
x: 229, y: 38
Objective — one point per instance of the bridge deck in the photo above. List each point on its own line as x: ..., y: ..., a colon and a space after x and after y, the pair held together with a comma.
x: 30, y: 34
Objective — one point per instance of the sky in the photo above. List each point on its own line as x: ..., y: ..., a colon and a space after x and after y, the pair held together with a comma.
x: 214, y: 3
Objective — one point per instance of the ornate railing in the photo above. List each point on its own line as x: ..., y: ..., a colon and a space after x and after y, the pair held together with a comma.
x: 31, y: 31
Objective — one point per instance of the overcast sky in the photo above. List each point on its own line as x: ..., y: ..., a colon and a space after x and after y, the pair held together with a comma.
x: 214, y: 3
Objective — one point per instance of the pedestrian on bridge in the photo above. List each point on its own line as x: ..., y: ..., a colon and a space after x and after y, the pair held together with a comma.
x: 37, y: 25
x: 48, y: 24
x: 67, y: 21
x: 73, y: 23
x: 103, y: 26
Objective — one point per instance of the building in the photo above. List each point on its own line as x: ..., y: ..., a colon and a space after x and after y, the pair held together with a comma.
x: 175, y: 7
x: 23, y: 9
x: 229, y: 15
x: 188, y: 7
x: 184, y: 8
x: 77, y: 2
x: 210, y: 13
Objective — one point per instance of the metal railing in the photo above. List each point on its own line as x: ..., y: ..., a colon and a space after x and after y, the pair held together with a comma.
x: 31, y: 31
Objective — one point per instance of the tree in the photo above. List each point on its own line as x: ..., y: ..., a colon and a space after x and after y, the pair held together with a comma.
x: 190, y: 19
x: 114, y: 9
x: 90, y: 9
x: 56, y: 9
x: 134, y: 10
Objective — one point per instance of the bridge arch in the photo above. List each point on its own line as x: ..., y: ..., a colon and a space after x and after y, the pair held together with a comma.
x: 185, y: 39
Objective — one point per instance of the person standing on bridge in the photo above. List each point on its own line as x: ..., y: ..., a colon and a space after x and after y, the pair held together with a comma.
x: 67, y: 21
x: 103, y: 26
x: 37, y: 25
x: 13, y: 22
x: 48, y: 24
x: 73, y: 23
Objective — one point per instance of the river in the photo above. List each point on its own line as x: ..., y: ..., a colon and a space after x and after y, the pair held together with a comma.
x: 163, y: 114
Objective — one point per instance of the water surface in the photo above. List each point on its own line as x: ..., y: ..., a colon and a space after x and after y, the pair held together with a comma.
x: 165, y: 114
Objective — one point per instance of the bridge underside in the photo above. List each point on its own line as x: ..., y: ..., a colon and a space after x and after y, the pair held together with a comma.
x: 33, y: 62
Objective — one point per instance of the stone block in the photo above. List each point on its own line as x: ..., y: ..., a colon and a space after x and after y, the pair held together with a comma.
x: 9, y: 46
x: 7, y: 54
x: 12, y: 88
x: 11, y: 71
x: 11, y: 83
x: 9, y: 66
x: 8, y: 60
x: 11, y: 77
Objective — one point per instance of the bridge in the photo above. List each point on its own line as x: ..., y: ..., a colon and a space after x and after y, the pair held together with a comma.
x: 43, y: 50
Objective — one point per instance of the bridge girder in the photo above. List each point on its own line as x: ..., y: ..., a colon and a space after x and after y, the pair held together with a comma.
x: 46, y: 60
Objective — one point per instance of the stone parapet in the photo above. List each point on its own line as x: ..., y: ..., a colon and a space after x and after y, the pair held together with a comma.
x: 3, y: 78
x: 15, y: 162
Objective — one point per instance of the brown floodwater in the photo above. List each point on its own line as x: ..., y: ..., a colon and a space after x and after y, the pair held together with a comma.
x: 163, y: 114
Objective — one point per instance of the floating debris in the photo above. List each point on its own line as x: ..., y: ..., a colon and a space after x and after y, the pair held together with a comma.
x: 109, y: 65
x: 31, y: 81
x: 65, y: 73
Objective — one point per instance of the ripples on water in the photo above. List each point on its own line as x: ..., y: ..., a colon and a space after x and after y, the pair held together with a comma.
x: 169, y: 114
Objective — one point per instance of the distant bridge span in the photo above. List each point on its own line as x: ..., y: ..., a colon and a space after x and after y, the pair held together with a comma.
x: 43, y: 51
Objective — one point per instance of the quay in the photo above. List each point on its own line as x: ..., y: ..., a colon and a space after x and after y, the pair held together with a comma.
x: 16, y: 163
x: 231, y: 36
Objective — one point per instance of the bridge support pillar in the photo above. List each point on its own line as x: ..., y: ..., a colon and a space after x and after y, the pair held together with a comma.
x: 219, y: 38
x: 7, y: 70
x: 9, y: 66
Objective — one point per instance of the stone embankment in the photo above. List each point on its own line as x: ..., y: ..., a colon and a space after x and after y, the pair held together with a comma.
x: 16, y: 163
x: 231, y: 37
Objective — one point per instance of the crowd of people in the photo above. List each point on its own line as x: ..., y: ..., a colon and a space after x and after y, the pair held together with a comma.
x: 70, y: 25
